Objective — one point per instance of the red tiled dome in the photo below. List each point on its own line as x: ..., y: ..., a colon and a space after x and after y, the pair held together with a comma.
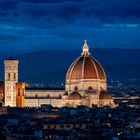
x: 85, y: 67
x: 105, y: 96
x: 75, y: 96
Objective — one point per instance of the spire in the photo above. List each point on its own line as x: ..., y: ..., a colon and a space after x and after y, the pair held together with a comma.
x: 85, y: 49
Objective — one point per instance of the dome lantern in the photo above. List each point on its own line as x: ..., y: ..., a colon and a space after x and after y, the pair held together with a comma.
x: 85, y: 52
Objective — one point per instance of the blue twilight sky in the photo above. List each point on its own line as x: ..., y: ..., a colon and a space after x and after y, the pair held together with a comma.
x: 30, y: 25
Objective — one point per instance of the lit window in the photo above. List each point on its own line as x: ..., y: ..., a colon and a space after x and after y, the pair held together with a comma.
x: 22, y: 91
x: 18, y: 91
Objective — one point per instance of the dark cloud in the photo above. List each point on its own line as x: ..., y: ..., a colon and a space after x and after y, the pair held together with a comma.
x: 34, y: 23
x: 49, y: 1
x: 105, y: 10
x: 8, y: 4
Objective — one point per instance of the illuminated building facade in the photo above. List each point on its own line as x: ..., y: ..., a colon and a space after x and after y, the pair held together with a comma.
x: 1, y: 90
x: 85, y: 85
x: 20, y: 94
x: 10, y: 79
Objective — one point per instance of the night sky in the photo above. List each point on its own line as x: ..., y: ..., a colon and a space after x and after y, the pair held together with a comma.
x: 30, y: 25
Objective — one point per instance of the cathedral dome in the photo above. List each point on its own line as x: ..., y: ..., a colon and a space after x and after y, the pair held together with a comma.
x: 85, y: 67
x: 85, y: 73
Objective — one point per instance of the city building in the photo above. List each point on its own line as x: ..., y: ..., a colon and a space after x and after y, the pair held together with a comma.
x: 86, y: 84
x: 10, y: 80
x: 1, y: 90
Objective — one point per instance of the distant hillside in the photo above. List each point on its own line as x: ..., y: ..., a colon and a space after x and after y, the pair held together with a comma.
x: 51, y: 65
x: 116, y: 72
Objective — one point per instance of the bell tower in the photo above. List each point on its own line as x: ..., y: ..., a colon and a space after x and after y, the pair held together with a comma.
x: 10, y: 78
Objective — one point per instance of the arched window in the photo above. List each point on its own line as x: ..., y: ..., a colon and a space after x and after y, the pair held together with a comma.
x: 90, y: 88
x: 48, y: 96
x: 8, y: 76
x: 75, y: 88
x: 60, y: 97
x: 14, y: 76
x: 36, y: 96
x: 18, y: 91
